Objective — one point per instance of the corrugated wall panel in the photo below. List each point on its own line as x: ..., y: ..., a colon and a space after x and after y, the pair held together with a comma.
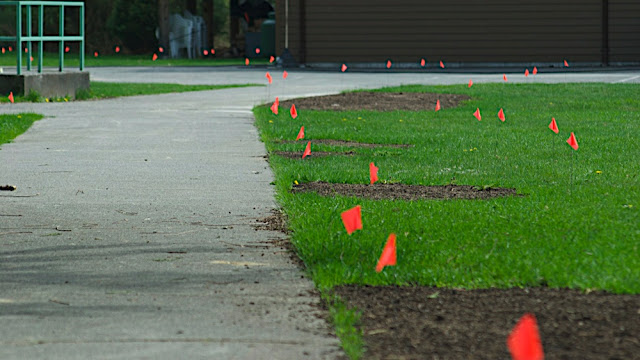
x: 463, y: 31
x: 624, y: 31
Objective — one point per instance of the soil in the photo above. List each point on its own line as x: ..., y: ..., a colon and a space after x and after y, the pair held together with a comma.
x: 298, y: 155
x: 332, y: 142
x: 380, y: 191
x: 377, y: 101
x: 431, y: 323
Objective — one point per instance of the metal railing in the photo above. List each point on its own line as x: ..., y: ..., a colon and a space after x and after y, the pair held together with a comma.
x: 28, y: 38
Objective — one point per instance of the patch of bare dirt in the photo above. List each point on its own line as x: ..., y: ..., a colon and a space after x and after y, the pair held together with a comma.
x: 274, y: 222
x: 332, y: 142
x: 377, y: 101
x: 380, y: 191
x: 431, y: 323
x: 298, y: 155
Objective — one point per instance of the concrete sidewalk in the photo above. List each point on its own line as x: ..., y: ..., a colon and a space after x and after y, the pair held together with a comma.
x: 130, y: 234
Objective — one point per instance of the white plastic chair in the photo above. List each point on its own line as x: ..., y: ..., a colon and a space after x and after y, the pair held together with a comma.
x: 199, y: 34
x: 180, y: 35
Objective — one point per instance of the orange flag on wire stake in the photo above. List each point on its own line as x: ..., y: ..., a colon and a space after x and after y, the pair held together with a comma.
x: 269, y: 78
x: 95, y: 54
x: 388, y: 64
x: 343, y: 68
x: 271, y: 59
x: 477, y: 114
x: 504, y: 77
x: 293, y: 111
x: 535, y: 70
x: 154, y: 58
x: 553, y: 126
x: 526, y: 72
x: 205, y: 52
x: 524, y: 341
x: 388, y: 257
x: 423, y: 62
x: 438, y: 105
x: 213, y: 51
x: 117, y: 49
x: 246, y: 61
x: 274, y: 107
x: 470, y: 83
x: 285, y: 74
x: 373, y: 173
x: 257, y: 50
x: 352, y: 219
x: 3, y: 50
x: 307, y: 150
x: 572, y: 141
x: 300, y: 134
x: 11, y: 97
x: 441, y: 64
x: 66, y: 49
x: 501, y: 115
x: 161, y: 49
x: 566, y: 63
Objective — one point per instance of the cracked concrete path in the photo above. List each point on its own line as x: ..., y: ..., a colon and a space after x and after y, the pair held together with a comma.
x: 130, y: 234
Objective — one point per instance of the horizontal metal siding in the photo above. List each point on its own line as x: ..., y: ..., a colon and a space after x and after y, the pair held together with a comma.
x: 624, y: 31
x: 453, y: 30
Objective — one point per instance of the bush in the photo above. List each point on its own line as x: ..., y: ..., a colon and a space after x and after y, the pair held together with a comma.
x: 135, y: 21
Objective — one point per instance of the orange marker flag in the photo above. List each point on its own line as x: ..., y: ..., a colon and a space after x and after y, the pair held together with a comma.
x: 117, y: 49
x: 535, y: 70
x: 285, y: 74
x: 373, y: 173
x: 526, y: 72
x: 477, y: 114
x: 66, y: 49
x: 572, y: 141
x: 438, y: 105
x: 155, y: 57
x: 95, y: 54
x: 271, y: 59
x: 26, y: 50
x: 11, y: 97
x: 274, y: 107
x: 161, y: 49
x: 553, y: 126
x: 344, y: 68
x: 205, y: 52
x: 423, y: 62
x: 300, y: 134
x: 388, y: 257
x: 31, y: 58
x: 3, y: 50
x: 269, y: 78
x: 501, y: 115
x: 504, y: 77
x: 388, y: 64
x: 524, y: 341
x: 246, y: 61
x: 293, y: 111
x: 566, y: 63
x: 213, y: 51
x: 307, y: 150
x: 441, y: 64
x: 10, y: 49
x: 277, y: 101
x: 470, y: 83
x: 352, y: 219
x: 257, y: 50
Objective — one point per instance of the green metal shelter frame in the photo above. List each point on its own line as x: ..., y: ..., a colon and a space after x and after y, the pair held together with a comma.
x: 40, y: 38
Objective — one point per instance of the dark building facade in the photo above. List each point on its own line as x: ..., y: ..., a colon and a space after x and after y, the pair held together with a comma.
x: 594, y: 32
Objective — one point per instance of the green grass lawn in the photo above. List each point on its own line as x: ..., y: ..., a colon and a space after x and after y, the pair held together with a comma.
x: 12, y: 125
x: 579, y: 233
x: 584, y: 237
x: 105, y: 90
x: 71, y: 60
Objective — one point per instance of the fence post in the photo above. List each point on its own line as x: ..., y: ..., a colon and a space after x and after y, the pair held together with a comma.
x: 40, y: 34
x: 81, y: 21
x: 61, y: 34
x: 29, y: 56
x: 19, y: 37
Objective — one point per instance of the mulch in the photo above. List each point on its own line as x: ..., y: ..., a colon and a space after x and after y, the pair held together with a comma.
x: 379, y: 191
x: 437, y: 323
x: 377, y: 101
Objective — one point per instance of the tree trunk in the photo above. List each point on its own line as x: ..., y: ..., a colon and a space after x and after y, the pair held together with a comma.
x: 163, y: 19
x: 209, y: 10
